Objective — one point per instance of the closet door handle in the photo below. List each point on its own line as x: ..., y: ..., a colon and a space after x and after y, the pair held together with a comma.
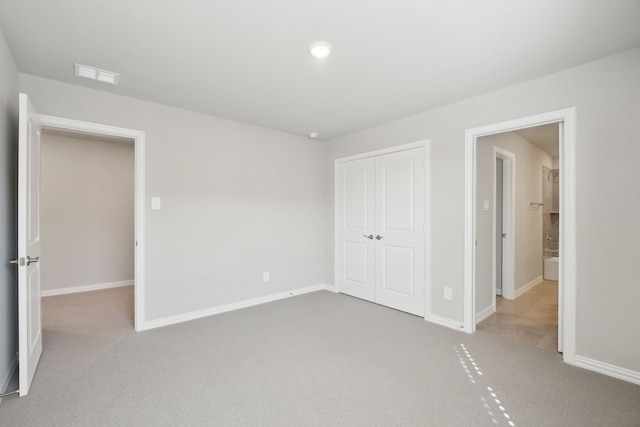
x: 370, y: 236
x: 379, y: 237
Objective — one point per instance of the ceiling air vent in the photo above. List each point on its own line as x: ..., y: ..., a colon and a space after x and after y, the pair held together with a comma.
x: 94, y: 73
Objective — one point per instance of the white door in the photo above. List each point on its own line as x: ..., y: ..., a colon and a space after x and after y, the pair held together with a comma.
x: 380, y: 219
x: 29, y: 317
x: 356, y: 225
x: 400, y: 230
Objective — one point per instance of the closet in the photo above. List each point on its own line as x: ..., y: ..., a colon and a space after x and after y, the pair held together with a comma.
x: 380, y: 228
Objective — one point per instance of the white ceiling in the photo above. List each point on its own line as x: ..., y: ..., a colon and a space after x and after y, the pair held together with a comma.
x: 247, y: 60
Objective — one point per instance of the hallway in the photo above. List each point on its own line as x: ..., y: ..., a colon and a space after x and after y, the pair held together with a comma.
x: 531, y: 318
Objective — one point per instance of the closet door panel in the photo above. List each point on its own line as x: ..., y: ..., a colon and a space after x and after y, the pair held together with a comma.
x: 400, y: 235
x: 398, y: 270
x: 355, y: 220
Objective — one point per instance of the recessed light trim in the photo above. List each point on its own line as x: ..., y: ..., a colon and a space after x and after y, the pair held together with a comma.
x: 97, y: 74
x: 320, y: 49
x: 313, y: 135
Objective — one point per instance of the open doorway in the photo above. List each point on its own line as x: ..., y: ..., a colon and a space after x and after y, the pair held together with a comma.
x: 87, y: 218
x: 52, y: 124
x: 565, y: 120
x: 516, y: 297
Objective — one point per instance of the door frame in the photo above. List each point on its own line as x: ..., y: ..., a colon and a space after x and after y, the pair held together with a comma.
x: 426, y: 144
x: 138, y: 137
x: 567, y: 274
x: 508, y: 220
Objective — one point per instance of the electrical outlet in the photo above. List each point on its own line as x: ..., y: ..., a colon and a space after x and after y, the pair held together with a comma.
x: 448, y: 293
x: 265, y: 276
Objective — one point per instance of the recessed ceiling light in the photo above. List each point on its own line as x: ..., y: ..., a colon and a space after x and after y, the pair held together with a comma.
x: 94, y: 73
x: 313, y: 135
x: 320, y: 49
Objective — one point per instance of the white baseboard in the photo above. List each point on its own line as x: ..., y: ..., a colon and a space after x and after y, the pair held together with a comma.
x: 532, y: 284
x: 485, y: 313
x: 172, y: 320
x: 86, y: 288
x: 7, y: 378
x: 607, y: 369
x: 330, y: 288
x: 443, y: 321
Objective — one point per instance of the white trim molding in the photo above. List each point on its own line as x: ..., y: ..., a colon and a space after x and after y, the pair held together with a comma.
x: 485, y: 313
x: 567, y: 283
x: 138, y: 138
x: 607, y: 369
x: 85, y: 288
x: 199, y: 314
x: 532, y: 284
x: 330, y: 288
x: 394, y: 149
x: 443, y: 321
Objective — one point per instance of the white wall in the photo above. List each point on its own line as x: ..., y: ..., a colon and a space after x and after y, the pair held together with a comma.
x: 237, y: 200
x: 606, y: 94
x: 528, y: 222
x: 87, y: 211
x: 8, y: 224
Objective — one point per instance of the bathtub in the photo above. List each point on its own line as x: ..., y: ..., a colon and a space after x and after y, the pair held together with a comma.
x: 551, y: 268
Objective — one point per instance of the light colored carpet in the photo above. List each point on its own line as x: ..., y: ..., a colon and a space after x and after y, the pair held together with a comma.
x: 319, y: 359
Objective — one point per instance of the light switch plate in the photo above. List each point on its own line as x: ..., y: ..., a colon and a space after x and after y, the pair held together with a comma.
x: 448, y: 293
x: 155, y: 203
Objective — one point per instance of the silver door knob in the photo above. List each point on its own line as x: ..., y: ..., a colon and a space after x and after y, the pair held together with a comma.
x: 32, y: 260
x: 378, y: 237
x: 370, y: 236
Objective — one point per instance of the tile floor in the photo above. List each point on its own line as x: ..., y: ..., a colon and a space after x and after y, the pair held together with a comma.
x: 531, y: 318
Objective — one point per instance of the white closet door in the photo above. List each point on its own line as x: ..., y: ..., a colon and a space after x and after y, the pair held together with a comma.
x: 355, y: 221
x: 400, y: 232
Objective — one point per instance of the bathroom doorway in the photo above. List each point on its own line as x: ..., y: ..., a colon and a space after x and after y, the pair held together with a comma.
x: 512, y: 296
x: 528, y: 215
